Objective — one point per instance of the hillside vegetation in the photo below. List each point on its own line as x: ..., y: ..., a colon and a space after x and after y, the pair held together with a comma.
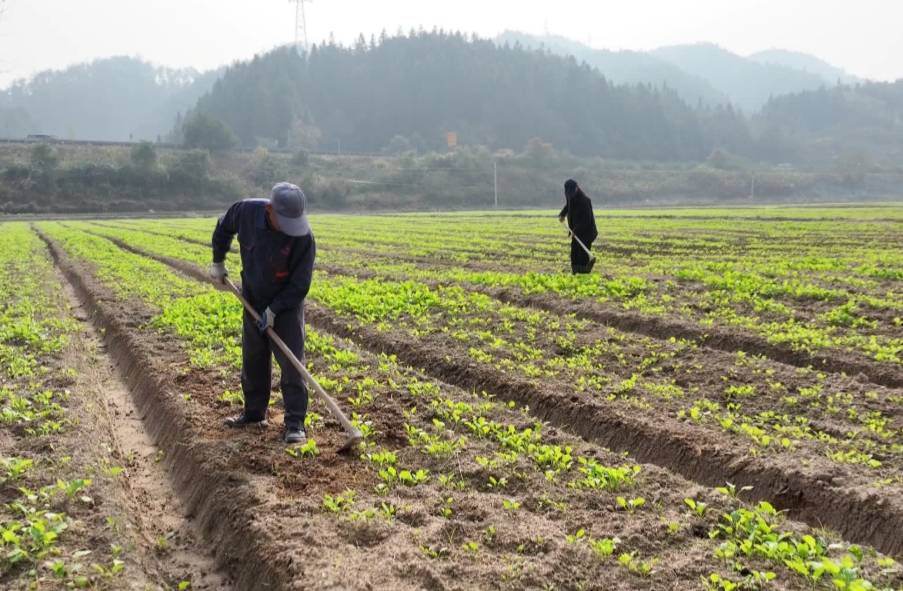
x: 113, y: 99
x: 539, y: 117
x: 624, y: 67
x: 78, y: 179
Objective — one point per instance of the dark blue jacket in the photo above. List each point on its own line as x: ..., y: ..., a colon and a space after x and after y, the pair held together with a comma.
x: 276, y: 268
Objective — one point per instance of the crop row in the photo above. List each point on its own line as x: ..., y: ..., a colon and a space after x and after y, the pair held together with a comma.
x: 827, y: 427
x: 753, y: 397
x: 49, y: 475
x: 810, y: 303
x: 444, y: 474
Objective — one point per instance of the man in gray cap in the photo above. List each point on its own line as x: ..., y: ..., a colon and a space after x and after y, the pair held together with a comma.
x: 277, y: 258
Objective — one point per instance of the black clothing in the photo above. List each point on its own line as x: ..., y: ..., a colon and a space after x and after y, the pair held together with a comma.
x: 579, y: 213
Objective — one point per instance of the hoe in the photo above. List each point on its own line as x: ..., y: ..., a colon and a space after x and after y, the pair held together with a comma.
x: 592, y: 258
x: 354, y: 434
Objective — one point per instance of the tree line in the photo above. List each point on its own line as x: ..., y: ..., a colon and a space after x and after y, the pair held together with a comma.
x: 408, y: 91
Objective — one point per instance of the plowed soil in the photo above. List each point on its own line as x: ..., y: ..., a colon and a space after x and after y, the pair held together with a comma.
x: 813, y: 489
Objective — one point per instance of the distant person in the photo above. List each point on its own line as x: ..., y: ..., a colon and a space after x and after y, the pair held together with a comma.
x: 578, y: 210
x: 277, y: 259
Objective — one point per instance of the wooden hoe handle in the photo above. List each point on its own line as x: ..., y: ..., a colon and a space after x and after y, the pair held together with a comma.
x: 352, y: 431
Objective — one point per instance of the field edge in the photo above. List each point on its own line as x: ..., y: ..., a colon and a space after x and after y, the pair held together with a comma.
x: 221, y: 504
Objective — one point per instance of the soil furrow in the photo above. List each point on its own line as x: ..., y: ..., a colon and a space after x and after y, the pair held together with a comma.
x: 713, y: 337
x: 858, y: 514
x: 150, y: 501
x: 221, y: 504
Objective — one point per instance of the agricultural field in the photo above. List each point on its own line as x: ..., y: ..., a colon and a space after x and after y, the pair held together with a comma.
x: 718, y: 406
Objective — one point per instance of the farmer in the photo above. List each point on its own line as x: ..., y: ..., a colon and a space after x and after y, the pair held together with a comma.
x: 277, y: 258
x: 578, y: 210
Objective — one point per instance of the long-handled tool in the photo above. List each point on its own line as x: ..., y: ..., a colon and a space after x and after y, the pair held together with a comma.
x: 354, y: 434
x: 592, y: 258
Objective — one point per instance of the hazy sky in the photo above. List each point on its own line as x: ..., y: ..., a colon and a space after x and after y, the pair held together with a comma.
x: 861, y: 36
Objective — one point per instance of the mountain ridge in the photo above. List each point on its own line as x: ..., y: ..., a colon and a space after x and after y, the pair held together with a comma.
x: 701, y: 72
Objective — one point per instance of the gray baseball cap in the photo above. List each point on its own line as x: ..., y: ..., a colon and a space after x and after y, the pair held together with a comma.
x: 289, y: 205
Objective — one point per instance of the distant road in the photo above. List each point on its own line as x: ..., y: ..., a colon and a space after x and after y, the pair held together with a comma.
x: 59, y: 141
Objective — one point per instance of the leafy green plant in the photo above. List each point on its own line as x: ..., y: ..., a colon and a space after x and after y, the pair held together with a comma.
x: 409, y: 478
x: 339, y: 503
x: 605, y: 547
x: 631, y: 505
x: 573, y: 539
x: 15, y: 468
x: 731, y: 490
x: 309, y: 449
x: 697, y: 506
x: 640, y: 567
x: 445, y: 510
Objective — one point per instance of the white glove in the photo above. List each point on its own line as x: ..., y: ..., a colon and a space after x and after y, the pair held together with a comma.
x: 266, y: 321
x: 218, y: 272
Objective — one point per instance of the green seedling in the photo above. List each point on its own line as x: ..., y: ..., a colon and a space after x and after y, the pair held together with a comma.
x: 640, y: 567
x: 604, y: 547
x: 497, y: 483
x: 435, y: 552
x: 339, y: 503
x: 163, y: 543
x: 511, y: 506
x: 15, y: 468
x: 450, y: 482
x: 698, y: 507
x: 73, y: 487
x: 631, y: 505
x: 446, y: 510
x: 364, y: 515
x: 384, y: 458
x: 108, y: 572
x: 576, y: 537
x: 716, y: 582
x: 471, y: 547
x: 308, y: 450
x: 388, y: 511
x: 731, y: 490
x: 409, y: 478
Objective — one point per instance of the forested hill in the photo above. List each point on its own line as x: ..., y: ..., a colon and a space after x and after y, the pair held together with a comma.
x: 109, y: 99
x: 807, y: 63
x: 624, y: 67
x: 815, y: 126
x: 414, y: 89
x: 748, y: 83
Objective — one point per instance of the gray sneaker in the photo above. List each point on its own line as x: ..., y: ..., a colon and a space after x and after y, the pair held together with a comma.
x: 295, y: 435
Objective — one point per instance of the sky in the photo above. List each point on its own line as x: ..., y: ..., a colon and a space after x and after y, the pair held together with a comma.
x: 862, y: 37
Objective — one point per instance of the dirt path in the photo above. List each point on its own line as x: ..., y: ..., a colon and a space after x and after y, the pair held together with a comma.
x: 167, y: 543
x: 217, y: 504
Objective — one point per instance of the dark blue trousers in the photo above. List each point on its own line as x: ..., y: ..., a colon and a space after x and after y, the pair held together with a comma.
x: 257, y: 351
